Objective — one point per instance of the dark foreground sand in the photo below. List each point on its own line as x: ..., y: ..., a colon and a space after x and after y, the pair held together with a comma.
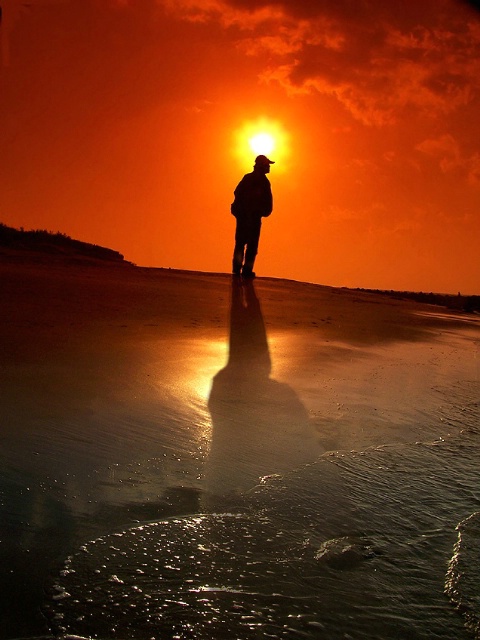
x: 52, y: 304
x: 131, y: 394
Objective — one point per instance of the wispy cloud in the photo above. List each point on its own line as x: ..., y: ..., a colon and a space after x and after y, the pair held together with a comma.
x: 446, y: 151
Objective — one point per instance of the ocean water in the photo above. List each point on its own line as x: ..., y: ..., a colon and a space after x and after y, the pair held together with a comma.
x: 376, y: 544
x: 204, y: 503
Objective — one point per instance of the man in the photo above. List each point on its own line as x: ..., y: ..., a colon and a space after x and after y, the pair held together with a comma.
x: 253, y: 201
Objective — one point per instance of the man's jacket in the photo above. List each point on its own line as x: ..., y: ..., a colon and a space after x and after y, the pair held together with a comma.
x: 253, y: 197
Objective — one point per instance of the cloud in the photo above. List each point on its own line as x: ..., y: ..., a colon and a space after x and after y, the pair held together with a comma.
x: 445, y: 148
x: 378, y: 60
x: 473, y: 175
x: 446, y: 151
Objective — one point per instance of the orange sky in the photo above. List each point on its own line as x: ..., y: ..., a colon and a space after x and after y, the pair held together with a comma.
x: 122, y: 121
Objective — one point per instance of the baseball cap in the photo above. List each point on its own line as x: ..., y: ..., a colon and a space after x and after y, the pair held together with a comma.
x: 263, y: 160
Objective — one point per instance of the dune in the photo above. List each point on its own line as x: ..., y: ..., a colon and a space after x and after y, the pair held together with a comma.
x: 131, y: 394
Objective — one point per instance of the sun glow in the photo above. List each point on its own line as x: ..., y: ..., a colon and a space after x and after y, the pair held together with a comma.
x: 262, y: 143
x: 262, y: 136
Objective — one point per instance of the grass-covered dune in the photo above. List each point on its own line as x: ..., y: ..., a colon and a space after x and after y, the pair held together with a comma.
x: 48, y: 242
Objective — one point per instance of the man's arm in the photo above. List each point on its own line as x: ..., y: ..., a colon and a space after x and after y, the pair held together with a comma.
x: 268, y: 203
x: 237, y: 205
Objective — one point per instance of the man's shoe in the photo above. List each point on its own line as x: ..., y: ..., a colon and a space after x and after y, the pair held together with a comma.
x: 248, y: 274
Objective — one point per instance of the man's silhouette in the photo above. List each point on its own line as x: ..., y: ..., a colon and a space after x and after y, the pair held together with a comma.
x: 253, y: 201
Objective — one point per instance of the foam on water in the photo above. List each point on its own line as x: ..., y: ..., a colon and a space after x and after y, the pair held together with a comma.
x: 207, y: 576
x: 357, y: 544
x: 463, y: 575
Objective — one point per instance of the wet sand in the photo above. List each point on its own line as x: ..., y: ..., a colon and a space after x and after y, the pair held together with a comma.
x: 130, y: 395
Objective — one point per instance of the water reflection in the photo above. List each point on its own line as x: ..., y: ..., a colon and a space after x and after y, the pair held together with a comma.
x: 260, y: 426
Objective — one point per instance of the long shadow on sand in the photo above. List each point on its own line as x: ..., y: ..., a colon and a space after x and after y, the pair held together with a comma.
x: 260, y: 426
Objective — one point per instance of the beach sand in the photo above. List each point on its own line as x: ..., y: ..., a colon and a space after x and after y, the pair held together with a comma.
x: 131, y: 394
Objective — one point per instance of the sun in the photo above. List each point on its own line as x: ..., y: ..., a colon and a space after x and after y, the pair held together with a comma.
x: 262, y: 143
x: 262, y: 136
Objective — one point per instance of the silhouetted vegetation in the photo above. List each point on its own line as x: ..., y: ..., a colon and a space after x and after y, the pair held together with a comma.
x: 468, y: 304
x: 53, y: 243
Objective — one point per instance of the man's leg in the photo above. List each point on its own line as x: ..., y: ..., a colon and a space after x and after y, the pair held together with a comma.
x: 238, y: 257
x: 241, y: 237
x: 250, y: 255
